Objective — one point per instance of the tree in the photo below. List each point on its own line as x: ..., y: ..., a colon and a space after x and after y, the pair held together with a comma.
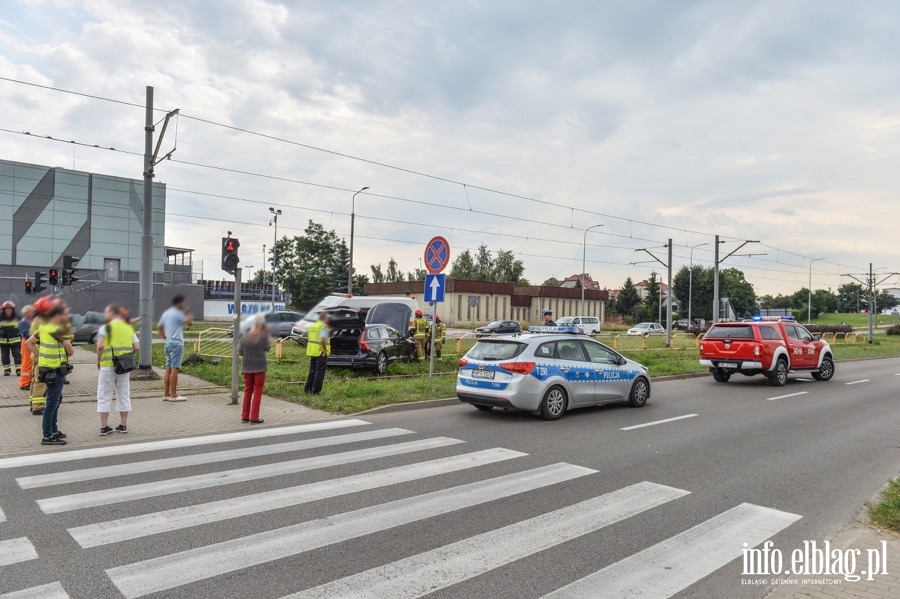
x: 735, y: 287
x: 651, y: 300
x: 484, y: 264
x: 416, y: 275
x: 885, y: 300
x: 463, y: 267
x: 393, y: 274
x: 506, y: 269
x: 694, y: 291
x: 309, y: 264
x: 340, y: 268
x: 851, y: 298
x: 629, y: 298
x: 377, y: 273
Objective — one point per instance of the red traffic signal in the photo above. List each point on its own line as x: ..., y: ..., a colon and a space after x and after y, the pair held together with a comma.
x: 28, y: 288
x: 53, y: 277
x: 230, y: 258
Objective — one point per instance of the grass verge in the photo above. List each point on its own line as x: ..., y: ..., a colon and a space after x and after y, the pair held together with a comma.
x: 885, y: 512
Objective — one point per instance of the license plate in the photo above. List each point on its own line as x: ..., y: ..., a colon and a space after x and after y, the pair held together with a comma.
x: 482, y: 374
x: 727, y: 365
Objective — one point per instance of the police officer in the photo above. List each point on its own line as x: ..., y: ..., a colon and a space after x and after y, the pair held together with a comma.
x: 421, y: 334
x: 548, y: 318
x: 10, y: 339
x: 440, y: 335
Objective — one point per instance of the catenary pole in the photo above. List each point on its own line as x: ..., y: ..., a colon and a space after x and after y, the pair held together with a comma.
x: 715, y: 305
x: 146, y: 273
x: 669, y: 301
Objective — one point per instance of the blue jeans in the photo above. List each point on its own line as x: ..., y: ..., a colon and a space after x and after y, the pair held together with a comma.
x: 174, y: 353
x: 52, y: 397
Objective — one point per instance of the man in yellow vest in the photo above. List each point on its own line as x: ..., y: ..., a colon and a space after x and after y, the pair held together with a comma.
x: 420, y: 326
x: 116, y: 339
x: 318, y: 346
x: 53, y: 348
x: 440, y: 335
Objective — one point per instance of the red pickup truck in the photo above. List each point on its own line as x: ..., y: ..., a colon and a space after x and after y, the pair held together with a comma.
x: 769, y: 347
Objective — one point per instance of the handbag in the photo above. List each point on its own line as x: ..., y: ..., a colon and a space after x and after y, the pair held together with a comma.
x: 123, y: 363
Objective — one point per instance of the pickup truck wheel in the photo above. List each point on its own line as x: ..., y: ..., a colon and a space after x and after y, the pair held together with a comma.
x: 721, y: 377
x: 826, y: 370
x: 553, y: 405
x: 381, y: 363
x: 640, y: 392
x: 779, y: 376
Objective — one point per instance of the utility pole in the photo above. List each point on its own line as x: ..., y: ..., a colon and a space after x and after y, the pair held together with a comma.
x: 716, y: 302
x: 146, y: 273
x: 668, y: 294
x: 872, y: 285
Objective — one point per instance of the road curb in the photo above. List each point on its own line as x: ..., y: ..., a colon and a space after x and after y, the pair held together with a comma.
x: 409, y: 405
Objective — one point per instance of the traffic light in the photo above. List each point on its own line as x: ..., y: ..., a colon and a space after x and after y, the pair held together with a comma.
x: 230, y: 259
x: 38, y: 281
x: 68, y: 273
x: 53, y: 277
x: 27, y: 286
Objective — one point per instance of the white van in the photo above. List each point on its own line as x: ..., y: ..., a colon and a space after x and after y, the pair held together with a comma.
x: 588, y: 325
x: 351, y: 301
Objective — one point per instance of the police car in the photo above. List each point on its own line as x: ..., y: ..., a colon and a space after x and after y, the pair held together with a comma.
x: 548, y: 371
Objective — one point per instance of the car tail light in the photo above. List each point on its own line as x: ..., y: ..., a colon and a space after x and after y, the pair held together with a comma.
x: 757, y: 349
x: 362, y: 342
x: 463, y: 362
x: 518, y: 367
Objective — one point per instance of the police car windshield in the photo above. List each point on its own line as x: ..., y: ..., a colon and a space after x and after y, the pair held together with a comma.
x: 490, y: 350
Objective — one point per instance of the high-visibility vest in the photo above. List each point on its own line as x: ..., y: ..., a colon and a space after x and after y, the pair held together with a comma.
x: 421, y: 327
x: 119, y: 339
x: 313, y: 340
x: 51, y: 353
x: 9, y: 332
x: 440, y: 333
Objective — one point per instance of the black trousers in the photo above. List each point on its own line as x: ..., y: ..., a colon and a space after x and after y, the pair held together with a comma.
x: 14, y: 351
x: 316, y: 376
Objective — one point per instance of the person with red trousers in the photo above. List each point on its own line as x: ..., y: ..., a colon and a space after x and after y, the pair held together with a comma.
x: 252, y: 348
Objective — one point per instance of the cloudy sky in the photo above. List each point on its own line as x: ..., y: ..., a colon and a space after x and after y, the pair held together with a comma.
x: 514, y: 123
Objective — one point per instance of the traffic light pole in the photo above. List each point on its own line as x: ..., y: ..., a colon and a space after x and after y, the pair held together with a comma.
x: 236, y: 337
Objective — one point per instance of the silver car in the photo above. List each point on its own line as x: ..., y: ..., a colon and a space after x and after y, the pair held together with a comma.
x: 548, y: 374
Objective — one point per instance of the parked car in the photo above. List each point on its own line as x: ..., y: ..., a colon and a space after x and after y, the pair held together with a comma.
x: 548, y: 374
x: 85, y: 326
x: 771, y: 346
x: 280, y: 323
x: 368, y: 337
x: 682, y: 325
x: 588, y: 325
x: 646, y: 328
x: 499, y: 327
x: 349, y: 301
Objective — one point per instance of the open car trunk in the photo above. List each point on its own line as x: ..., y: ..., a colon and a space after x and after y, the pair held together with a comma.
x: 347, y: 324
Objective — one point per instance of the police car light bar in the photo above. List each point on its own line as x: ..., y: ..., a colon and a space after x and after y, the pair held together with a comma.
x: 556, y: 329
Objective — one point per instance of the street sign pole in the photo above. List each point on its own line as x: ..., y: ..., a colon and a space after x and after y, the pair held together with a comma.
x: 236, y: 337
x: 431, y: 361
x: 437, y: 257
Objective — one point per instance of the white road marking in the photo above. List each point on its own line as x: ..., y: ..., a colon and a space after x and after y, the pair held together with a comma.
x: 65, y: 503
x: 655, y: 422
x: 788, y: 395
x: 669, y: 567
x: 126, y: 529
x: 18, y: 550
x: 54, y: 590
x: 439, y: 568
x: 857, y: 382
x: 2, y: 515
x: 105, y: 472
x: 155, y: 575
x: 117, y: 450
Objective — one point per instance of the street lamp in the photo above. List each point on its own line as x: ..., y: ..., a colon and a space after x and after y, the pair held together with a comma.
x: 691, y: 283
x: 352, y: 223
x: 583, y: 258
x: 263, y: 277
x: 275, y: 215
x: 809, y: 292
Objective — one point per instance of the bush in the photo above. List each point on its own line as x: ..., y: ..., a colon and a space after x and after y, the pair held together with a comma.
x: 829, y: 328
x: 894, y: 330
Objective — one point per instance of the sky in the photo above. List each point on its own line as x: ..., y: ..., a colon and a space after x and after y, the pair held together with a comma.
x: 514, y: 123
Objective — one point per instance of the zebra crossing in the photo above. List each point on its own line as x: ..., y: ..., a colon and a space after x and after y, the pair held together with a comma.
x: 428, y: 482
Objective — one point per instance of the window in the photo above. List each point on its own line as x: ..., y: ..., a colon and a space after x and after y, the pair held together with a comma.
x: 792, y: 332
x: 570, y: 350
x: 547, y: 350
x: 730, y: 332
x: 598, y: 354
x: 495, y: 350
x: 803, y: 334
x: 769, y: 333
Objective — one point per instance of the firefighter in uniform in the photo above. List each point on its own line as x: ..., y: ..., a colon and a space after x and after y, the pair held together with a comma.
x: 421, y: 335
x: 25, y: 333
x: 10, y: 339
x: 440, y: 335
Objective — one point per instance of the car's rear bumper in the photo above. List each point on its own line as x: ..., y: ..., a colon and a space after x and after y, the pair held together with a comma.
x: 725, y: 364
x: 352, y: 361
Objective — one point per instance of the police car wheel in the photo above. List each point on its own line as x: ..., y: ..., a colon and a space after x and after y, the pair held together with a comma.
x: 553, y: 405
x: 484, y: 408
x: 640, y: 392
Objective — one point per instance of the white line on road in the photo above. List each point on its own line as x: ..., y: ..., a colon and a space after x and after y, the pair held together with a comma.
x: 127, y: 529
x: 2, y: 515
x: 142, y: 578
x: 105, y: 472
x: 18, y: 550
x: 669, y: 567
x: 117, y: 450
x: 65, y: 503
x: 655, y: 422
x: 788, y: 395
x: 54, y: 590
x: 857, y: 382
x: 439, y: 568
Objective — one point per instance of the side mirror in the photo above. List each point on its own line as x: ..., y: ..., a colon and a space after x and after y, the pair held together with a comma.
x: 621, y: 361
x: 816, y: 336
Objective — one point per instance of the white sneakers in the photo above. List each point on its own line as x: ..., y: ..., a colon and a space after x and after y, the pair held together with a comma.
x: 178, y: 398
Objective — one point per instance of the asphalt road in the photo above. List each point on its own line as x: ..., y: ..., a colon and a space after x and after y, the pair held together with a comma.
x: 461, y: 503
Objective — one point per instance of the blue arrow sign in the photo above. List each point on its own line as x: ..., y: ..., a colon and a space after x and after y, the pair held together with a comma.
x: 434, y: 287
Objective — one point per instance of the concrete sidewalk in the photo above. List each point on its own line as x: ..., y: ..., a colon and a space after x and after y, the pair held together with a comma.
x: 207, y: 410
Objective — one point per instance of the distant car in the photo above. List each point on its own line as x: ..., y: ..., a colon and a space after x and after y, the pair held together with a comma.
x: 646, y: 328
x: 548, y: 374
x: 681, y: 325
x: 589, y: 325
x: 280, y: 323
x: 85, y: 327
x: 499, y: 327
x: 368, y: 337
